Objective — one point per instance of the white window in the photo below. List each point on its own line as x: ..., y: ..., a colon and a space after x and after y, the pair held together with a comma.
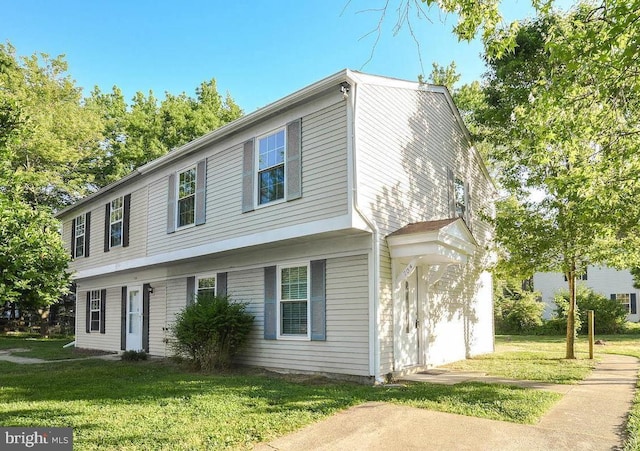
x: 186, y: 197
x: 458, y: 189
x: 206, y: 285
x: 271, y: 157
x: 625, y: 300
x: 79, y: 233
x: 94, y: 304
x: 293, y: 301
x: 116, y: 216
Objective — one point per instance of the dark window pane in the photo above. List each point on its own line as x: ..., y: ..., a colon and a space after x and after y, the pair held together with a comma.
x: 186, y: 208
x: 116, y: 234
x: 271, y: 184
x: 294, y: 318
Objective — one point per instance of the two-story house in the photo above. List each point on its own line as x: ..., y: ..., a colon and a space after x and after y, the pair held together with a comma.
x: 347, y: 216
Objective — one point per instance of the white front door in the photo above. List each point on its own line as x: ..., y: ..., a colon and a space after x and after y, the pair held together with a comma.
x: 134, y: 319
x: 407, y: 323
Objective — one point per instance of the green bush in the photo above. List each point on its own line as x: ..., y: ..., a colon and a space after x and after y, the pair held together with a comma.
x: 211, y: 331
x: 520, y: 315
x: 610, y: 316
x: 133, y: 356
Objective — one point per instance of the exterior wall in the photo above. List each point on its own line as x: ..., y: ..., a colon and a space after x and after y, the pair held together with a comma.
x: 110, y: 340
x: 137, y: 231
x: 346, y: 349
x: 324, y: 188
x: 600, y: 279
x: 406, y: 140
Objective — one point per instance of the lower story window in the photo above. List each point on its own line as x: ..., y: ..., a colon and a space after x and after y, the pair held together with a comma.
x: 94, y: 304
x: 294, y: 301
x: 207, y: 285
x: 624, y: 299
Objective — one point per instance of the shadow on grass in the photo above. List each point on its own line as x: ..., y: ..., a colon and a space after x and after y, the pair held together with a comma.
x: 158, y: 385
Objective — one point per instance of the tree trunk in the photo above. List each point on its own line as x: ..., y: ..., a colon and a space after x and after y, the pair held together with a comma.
x: 44, y: 322
x: 571, y: 316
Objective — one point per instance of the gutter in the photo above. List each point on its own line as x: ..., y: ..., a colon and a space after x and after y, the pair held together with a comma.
x: 374, y: 278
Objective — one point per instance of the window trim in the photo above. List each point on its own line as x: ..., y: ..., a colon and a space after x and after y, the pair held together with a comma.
x: 257, y: 170
x: 193, y: 166
x: 83, y: 235
x: 97, y: 310
x: 279, y: 334
x: 207, y: 275
x: 112, y: 223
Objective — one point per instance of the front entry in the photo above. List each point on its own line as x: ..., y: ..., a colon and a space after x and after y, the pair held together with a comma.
x: 407, y: 323
x: 134, y: 319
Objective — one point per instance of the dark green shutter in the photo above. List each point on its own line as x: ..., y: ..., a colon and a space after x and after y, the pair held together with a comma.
x: 123, y: 319
x: 318, y: 300
x: 103, y: 309
x: 88, y: 313
x: 171, y: 205
x: 87, y: 232
x: 191, y: 290
x: 633, y: 305
x: 107, y: 227
x: 467, y: 204
x: 221, y: 284
x: 248, y: 163
x: 270, y: 303
x: 126, y: 219
x: 73, y: 238
x: 293, y: 163
x: 201, y: 192
x: 145, y: 316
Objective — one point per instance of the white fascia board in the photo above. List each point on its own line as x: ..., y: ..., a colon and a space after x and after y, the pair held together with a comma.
x: 295, y: 231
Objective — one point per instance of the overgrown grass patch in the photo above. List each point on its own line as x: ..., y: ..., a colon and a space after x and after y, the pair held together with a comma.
x: 156, y: 405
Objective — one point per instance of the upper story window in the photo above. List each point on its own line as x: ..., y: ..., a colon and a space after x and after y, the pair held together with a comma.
x: 116, y: 218
x: 294, y: 301
x: 271, y: 171
x: 460, y: 198
x: 80, y: 234
x: 186, y: 197
x: 79, y: 240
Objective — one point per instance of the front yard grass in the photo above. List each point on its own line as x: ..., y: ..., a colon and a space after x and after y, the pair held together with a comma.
x: 40, y: 348
x: 157, y: 405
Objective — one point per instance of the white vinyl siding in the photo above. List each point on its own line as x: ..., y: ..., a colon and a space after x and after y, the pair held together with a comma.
x: 157, y: 319
x: 346, y: 349
x: 324, y: 188
x: 139, y: 215
x: 109, y: 341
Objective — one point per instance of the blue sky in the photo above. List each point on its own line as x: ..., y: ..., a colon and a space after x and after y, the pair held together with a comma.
x: 259, y: 51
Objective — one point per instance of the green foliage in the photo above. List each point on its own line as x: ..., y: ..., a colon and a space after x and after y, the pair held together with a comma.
x: 517, y: 310
x: 33, y: 261
x: 211, y: 331
x: 610, y: 316
x: 147, y: 128
x: 134, y: 356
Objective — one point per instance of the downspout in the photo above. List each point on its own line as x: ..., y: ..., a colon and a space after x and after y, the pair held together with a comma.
x: 374, y: 280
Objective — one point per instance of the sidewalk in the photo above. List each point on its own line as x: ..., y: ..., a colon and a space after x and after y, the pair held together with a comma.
x: 590, y: 416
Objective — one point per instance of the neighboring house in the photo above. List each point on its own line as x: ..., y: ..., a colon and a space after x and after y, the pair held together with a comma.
x: 347, y: 216
x: 612, y: 283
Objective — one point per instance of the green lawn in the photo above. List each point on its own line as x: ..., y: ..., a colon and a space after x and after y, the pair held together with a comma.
x: 41, y: 348
x: 157, y: 405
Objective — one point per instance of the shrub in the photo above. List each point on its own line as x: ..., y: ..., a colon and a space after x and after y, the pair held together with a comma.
x: 610, y: 316
x: 133, y: 356
x: 211, y: 331
x: 520, y: 315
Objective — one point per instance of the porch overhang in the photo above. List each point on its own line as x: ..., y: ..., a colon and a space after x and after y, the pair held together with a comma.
x: 447, y: 241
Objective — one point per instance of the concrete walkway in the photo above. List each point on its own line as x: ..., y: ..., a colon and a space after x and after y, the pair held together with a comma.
x: 590, y: 416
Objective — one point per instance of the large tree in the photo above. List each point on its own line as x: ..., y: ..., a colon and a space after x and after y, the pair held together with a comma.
x: 564, y: 114
x: 33, y: 261
x: 53, y: 135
